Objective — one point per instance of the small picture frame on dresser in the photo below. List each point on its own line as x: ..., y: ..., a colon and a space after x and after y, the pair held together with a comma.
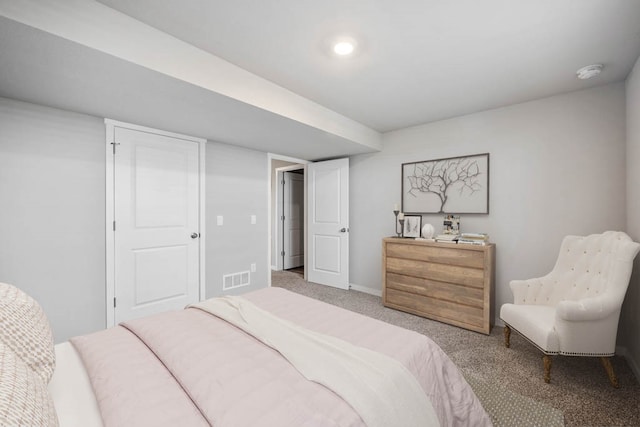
x: 412, y: 226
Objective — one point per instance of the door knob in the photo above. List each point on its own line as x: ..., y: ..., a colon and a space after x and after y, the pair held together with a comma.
x: 343, y: 230
x: 195, y: 235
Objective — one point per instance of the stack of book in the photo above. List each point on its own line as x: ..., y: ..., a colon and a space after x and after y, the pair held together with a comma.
x: 447, y: 238
x: 473, y: 238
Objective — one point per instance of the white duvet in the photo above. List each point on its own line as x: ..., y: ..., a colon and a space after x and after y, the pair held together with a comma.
x: 192, y: 368
x: 369, y: 381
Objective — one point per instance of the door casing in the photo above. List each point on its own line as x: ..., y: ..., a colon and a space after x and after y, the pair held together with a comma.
x: 273, y: 211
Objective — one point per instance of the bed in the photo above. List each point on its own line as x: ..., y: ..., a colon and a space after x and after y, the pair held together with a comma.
x: 197, y: 367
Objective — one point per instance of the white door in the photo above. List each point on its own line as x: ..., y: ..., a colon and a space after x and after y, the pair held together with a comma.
x: 328, y: 223
x: 293, y: 222
x: 156, y: 211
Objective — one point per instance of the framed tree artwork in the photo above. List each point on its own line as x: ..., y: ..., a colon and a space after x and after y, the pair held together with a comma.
x: 457, y: 185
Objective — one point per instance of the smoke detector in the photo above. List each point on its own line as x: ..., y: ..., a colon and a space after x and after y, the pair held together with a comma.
x: 589, y: 71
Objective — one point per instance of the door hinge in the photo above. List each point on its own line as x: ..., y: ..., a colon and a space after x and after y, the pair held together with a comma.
x: 114, y: 302
x: 113, y: 144
x: 282, y: 253
x: 114, y: 226
x: 282, y: 218
x: 282, y: 182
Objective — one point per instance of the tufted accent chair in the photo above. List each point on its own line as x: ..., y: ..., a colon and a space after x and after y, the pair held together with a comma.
x: 574, y: 310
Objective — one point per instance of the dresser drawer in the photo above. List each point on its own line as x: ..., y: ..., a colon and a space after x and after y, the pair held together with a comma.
x: 471, y: 296
x: 444, y: 311
x: 434, y: 271
x: 439, y: 254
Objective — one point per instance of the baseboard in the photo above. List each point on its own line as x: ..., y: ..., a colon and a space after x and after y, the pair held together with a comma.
x: 366, y: 290
x: 622, y: 351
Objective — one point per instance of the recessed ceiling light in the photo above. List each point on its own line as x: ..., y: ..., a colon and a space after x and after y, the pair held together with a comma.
x: 344, y: 48
x: 589, y: 71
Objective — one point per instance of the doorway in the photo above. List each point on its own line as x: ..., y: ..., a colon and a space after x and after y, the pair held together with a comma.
x: 325, y: 213
x: 278, y: 165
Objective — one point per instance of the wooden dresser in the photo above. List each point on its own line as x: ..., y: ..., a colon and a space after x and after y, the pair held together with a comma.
x: 442, y: 281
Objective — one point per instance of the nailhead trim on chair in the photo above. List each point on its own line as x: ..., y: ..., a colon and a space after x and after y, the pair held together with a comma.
x: 562, y: 353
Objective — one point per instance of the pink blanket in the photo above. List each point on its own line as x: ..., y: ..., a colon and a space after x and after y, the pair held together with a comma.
x: 191, y: 368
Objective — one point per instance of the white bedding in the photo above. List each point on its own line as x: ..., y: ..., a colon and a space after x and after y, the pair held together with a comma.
x: 369, y: 381
x: 71, y: 390
x: 232, y: 379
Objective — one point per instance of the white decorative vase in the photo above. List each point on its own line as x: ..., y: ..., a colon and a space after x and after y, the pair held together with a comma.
x: 428, y: 231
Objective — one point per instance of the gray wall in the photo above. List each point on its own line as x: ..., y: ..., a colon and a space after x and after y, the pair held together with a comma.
x: 237, y: 184
x: 630, y: 323
x: 52, y: 212
x: 557, y: 168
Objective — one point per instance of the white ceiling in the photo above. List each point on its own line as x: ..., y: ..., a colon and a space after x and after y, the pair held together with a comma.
x: 418, y: 60
x: 43, y: 69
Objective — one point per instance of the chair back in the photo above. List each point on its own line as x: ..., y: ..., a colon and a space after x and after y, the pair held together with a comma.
x: 593, y: 266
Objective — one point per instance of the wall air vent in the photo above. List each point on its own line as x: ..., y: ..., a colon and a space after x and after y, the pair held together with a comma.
x: 235, y: 280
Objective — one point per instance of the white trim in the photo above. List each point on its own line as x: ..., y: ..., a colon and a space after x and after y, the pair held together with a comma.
x: 286, y: 158
x: 110, y: 126
x: 290, y: 168
x: 202, y: 147
x: 109, y: 236
x: 306, y: 222
x: 366, y: 290
x: 124, y: 125
x: 275, y: 231
x: 270, y: 157
x: 280, y: 197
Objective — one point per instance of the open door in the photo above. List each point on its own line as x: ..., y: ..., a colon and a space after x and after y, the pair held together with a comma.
x: 328, y: 223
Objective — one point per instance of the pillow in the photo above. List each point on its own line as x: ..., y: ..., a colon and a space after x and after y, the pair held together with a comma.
x: 24, y: 398
x: 24, y: 328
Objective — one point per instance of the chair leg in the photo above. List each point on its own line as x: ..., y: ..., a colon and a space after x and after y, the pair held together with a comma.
x: 606, y: 362
x: 546, y: 359
x: 507, y: 336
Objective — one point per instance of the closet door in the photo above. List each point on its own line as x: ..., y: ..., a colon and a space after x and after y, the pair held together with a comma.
x: 156, y: 228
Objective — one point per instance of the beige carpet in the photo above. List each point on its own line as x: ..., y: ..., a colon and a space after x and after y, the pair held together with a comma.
x: 579, y: 386
x: 509, y: 409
